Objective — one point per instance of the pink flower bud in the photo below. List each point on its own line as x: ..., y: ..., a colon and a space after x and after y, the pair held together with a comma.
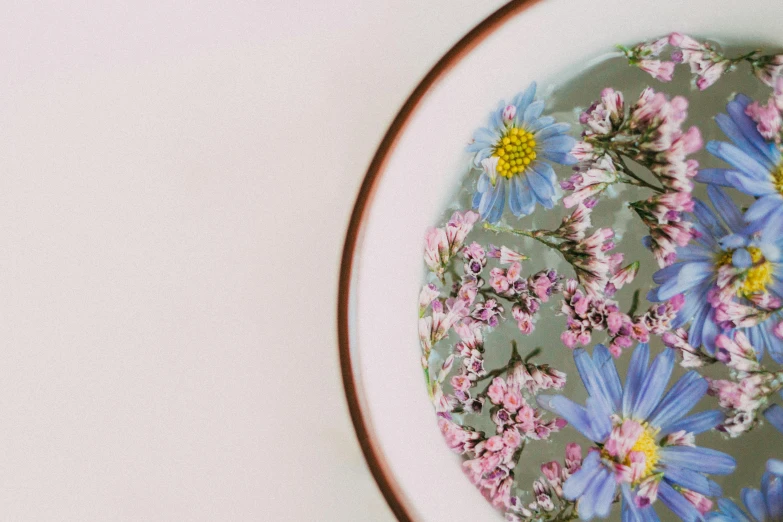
x: 509, y: 113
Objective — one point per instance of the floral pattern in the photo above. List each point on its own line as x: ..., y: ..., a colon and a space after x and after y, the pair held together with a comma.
x: 713, y: 280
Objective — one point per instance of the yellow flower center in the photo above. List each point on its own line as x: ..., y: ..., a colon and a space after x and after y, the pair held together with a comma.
x: 777, y: 178
x: 757, y: 277
x: 646, y: 444
x: 515, y: 151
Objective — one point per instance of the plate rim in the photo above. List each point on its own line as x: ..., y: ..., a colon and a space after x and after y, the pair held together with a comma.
x: 373, y: 455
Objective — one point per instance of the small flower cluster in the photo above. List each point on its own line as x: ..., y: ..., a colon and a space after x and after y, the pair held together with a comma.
x: 768, y: 117
x: 706, y: 62
x: 645, y: 56
x: 441, y: 244
x: 511, y: 411
x: 652, y: 136
x: 586, y: 314
x: 526, y: 294
x: 747, y: 394
x: 550, y: 503
x: 471, y: 350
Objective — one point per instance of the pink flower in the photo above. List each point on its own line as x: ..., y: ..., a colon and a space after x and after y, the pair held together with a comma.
x: 737, y: 353
x: 497, y: 390
x: 680, y: 438
x: 769, y: 68
x: 508, y: 256
x: 659, y: 70
x: 494, y: 443
x: 457, y: 438
x: 551, y: 471
x: 513, y: 400
x: 711, y: 74
x: 623, y: 277
x: 768, y: 119
x: 648, y: 491
x: 699, y: 501
x: 778, y: 330
x: 461, y: 383
x: 427, y: 295
x: 592, y: 179
x: 573, y: 458
x: 622, y: 438
x: 509, y: 113
x: 436, y: 250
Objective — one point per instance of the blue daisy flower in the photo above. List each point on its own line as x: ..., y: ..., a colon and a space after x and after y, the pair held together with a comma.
x: 757, y: 167
x: 774, y: 415
x: 644, y: 440
x: 765, y: 505
x: 695, y: 271
x: 510, y: 151
x: 721, y: 239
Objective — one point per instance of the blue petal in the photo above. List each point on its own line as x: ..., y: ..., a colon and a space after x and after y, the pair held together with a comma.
x: 542, y: 188
x: 667, y: 273
x: 774, y: 415
x: 714, y: 176
x: 655, y: 383
x: 592, y: 379
x: 734, y: 241
x: 635, y: 377
x: 533, y: 111
x: 726, y: 208
x: 696, y: 423
x: 763, y: 207
x: 772, y: 488
x: 708, y: 219
x: 740, y: 160
x: 741, y: 258
x: 763, y: 151
x: 496, y: 117
x: 540, y: 123
x: 692, y: 480
x: 733, y: 512
x: 561, y: 143
x: 754, y: 502
x: 555, y: 129
x: 526, y: 196
x: 682, y: 397
x: 695, y: 302
x: 576, y: 484
x: 693, y: 253
x: 678, y: 504
x: 498, y: 202
x: 705, y: 460
x: 751, y: 186
x: 735, y: 134
x: 605, y: 363
x: 597, y: 497
x: 515, y: 195
x: 775, y: 467
x: 523, y: 99
x: 563, y: 158
x: 690, y: 275
x: 575, y: 414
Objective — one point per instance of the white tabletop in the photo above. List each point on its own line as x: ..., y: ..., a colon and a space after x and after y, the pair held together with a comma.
x: 175, y: 182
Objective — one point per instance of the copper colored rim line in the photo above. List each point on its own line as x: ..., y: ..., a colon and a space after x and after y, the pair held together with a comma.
x: 372, y: 453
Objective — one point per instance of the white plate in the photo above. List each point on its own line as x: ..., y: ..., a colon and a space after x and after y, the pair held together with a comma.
x: 417, y: 167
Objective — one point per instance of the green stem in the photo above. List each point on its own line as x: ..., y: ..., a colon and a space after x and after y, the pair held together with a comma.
x: 638, y: 181
x: 536, y: 234
x: 634, y: 302
x: 750, y: 57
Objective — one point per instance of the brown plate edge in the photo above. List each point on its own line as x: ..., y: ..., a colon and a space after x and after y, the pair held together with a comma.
x: 373, y: 455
